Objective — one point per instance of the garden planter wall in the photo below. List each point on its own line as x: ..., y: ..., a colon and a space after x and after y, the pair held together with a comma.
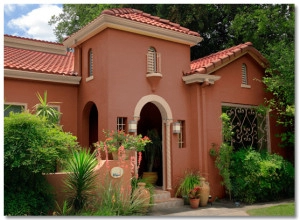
x: 103, y: 168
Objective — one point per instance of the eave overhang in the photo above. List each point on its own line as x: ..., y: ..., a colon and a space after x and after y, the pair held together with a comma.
x: 108, y: 21
x: 73, y: 80
x: 200, y: 78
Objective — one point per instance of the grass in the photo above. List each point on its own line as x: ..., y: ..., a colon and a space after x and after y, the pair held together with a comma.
x: 278, y: 210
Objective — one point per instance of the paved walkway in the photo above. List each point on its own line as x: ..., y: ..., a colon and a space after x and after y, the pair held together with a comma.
x: 221, y: 209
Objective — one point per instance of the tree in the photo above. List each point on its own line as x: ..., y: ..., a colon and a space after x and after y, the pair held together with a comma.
x: 74, y: 17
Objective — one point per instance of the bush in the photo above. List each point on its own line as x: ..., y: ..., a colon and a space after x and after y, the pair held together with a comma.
x: 33, y: 197
x: 31, y: 147
x: 260, y: 176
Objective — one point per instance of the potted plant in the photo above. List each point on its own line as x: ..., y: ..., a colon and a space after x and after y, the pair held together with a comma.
x: 116, y: 141
x: 190, y: 180
x: 152, y: 156
x: 194, y: 197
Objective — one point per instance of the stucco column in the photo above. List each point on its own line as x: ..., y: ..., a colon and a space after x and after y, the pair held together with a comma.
x: 136, y: 119
x: 168, y: 148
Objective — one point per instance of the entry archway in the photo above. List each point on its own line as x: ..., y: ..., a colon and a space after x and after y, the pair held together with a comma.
x: 90, y: 124
x: 167, y: 119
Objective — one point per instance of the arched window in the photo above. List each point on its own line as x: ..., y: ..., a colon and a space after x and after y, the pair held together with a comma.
x: 153, y: 61
x: 244, y: 74
x: 90, y: 70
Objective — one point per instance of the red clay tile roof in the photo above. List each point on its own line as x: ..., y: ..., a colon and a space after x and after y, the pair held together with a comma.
x: 140, y: 16
x: 30, y: 39
x: 214, y: 61
x: 37, y: 61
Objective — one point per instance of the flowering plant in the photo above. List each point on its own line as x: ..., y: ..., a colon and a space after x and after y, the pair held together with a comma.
x: 195, y: 193
x: 115, y: 139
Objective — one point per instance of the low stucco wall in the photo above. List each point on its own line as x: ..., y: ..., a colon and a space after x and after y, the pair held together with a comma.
x: 104, y: 176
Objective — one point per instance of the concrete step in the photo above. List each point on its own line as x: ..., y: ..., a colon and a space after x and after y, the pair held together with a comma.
x: 162, y: 200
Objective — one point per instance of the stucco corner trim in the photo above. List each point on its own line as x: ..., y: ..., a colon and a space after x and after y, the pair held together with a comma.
x: 200, y: 78
x: 74, y: 80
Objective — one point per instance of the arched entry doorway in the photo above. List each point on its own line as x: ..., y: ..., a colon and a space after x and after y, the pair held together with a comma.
x: 90, y: 125
x: 150, y: 124
x: 166, y: 120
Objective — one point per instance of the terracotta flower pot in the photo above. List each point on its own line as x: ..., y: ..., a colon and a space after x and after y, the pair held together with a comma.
x: 194, y: 203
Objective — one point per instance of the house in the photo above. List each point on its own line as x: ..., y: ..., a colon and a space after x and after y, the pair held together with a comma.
x: 127, y: 68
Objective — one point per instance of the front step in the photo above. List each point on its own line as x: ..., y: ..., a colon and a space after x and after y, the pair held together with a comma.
x: 162, y: 200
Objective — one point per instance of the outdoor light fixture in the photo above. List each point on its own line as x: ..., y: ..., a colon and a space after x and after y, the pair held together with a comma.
x: 176, y: 128
x: 132, y: 126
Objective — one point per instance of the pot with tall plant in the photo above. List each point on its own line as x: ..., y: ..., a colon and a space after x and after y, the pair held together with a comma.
x: 152, y: 156
x: 189, y: 181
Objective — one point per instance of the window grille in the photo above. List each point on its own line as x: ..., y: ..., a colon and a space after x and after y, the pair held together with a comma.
x: 153, y: 61
x: 121, y: 124
x: 249, y: 127
x: 90, y: 62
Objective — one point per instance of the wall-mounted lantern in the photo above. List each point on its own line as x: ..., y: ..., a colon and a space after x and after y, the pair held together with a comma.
x: 176, y: 128
x: 132, y: 126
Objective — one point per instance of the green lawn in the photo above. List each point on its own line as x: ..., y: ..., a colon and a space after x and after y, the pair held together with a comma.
x: 278, y: 210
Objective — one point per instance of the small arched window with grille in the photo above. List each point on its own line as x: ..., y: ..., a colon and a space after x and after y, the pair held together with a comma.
x: 244, y: 75
x: 90, y: 70
x: 153, y: 61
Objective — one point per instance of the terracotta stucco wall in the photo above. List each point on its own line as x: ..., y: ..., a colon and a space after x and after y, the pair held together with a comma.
x: 120, y: 81
x: 24, y: 91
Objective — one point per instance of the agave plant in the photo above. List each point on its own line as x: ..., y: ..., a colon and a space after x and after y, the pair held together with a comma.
x: 44, y: 109
x: 80, y: 181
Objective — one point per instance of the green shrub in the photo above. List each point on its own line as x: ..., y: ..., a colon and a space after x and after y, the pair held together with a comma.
x: 260, y: 176
x: 222, y: 162
x: 33, y: 197
x: 31, y: 148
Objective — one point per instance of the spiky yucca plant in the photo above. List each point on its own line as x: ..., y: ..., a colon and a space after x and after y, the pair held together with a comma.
x: 80, y: 181
x: 44, y: 109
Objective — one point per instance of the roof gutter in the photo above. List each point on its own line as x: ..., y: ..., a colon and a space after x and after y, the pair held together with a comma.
x: 65, y: 79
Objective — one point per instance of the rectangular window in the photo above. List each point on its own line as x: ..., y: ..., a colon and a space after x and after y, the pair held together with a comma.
x: 122, y: 124
x: 57, y: 108
x: 181, y: 135
x: 14, y: 107
x: 249, y: 126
